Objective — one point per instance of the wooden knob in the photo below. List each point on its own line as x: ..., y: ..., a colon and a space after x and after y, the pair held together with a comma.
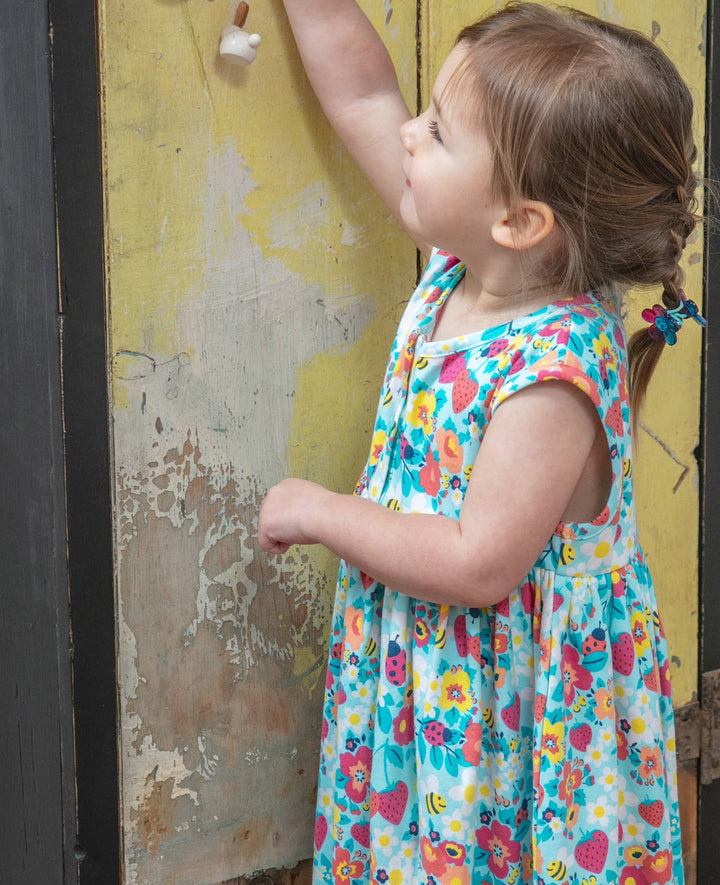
x: 241, y: 14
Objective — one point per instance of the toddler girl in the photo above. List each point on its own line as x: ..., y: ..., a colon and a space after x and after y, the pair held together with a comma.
x: 498, y: 704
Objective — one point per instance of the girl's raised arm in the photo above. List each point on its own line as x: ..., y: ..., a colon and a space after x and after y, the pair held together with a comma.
x: 355, y: 81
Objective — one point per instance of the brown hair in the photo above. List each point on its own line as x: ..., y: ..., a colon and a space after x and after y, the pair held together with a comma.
x: 594, y: 120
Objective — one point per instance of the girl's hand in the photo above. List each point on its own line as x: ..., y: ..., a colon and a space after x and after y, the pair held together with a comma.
x: 287, y: 515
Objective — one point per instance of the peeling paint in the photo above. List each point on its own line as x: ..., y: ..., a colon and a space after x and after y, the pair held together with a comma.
x: 213, y: 652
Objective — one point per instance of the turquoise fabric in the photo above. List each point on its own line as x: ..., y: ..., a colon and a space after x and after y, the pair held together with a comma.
x: 527, y: 742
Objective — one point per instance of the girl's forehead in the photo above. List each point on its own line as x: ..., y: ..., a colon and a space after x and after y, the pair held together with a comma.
x: 448, y: 69
x: 451, y: 93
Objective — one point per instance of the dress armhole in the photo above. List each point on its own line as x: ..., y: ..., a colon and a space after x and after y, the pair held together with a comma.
x: 611, y: 419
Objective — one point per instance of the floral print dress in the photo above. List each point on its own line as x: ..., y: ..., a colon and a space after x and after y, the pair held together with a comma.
x: 531, y: 741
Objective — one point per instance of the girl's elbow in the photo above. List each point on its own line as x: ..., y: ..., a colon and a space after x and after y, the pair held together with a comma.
x: 484, y: 586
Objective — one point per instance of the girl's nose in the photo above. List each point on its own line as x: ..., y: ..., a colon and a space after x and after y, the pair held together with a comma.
x: 407, y: 135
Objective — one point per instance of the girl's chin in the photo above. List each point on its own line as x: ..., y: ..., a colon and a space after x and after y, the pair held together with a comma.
x: 408, y: 216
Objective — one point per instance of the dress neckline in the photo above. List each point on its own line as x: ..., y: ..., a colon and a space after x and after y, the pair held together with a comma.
x: 447, y: 282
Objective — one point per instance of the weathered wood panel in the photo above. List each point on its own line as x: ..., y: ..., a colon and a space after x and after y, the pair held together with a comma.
x: 253, y: 285
x: 709, y: 813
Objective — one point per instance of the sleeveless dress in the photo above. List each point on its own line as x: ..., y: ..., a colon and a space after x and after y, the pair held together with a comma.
x: 531, y: 741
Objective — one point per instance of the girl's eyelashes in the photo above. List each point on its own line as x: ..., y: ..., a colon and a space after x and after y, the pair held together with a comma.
x: 435, y: 131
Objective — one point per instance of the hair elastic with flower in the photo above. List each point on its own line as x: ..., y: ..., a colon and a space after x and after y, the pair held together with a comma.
x: 666, y: 321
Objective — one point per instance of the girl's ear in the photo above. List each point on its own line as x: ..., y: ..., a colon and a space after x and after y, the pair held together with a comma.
x: 525, y: 226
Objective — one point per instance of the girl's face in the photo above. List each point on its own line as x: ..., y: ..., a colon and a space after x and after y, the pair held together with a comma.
x: 448, y: 200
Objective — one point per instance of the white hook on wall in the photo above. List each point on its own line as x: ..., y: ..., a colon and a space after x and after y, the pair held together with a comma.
x: 236, y: 45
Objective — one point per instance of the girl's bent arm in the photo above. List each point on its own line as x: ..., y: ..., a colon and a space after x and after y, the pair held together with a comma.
x: 354, y: 79
x: 524, y: 476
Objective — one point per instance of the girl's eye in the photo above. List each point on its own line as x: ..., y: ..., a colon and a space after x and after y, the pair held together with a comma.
x: 434, y: 131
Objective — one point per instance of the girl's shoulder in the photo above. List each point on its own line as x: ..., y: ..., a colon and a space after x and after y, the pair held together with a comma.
x: 586, y: 326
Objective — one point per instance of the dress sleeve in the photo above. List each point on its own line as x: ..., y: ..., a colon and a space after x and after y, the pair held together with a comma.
x: 551, y: 367
x: 584, y: 349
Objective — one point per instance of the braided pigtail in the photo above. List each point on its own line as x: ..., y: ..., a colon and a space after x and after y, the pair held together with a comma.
x: 645, y: 348
x: 664, y: 320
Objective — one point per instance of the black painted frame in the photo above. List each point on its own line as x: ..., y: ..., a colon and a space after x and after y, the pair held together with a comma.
x: 709, y: 796
x: 79, y: 191
x: 37, y: 816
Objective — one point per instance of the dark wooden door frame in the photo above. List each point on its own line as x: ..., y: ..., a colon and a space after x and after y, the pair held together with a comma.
x: 59, y: 821
x: 709, y: 798
x: 37, y: 835
x: 79, y: 190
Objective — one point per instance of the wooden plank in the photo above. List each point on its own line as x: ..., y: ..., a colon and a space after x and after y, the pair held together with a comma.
x: 37, y: 832
x: 708, y: 868
x: 299, y: 875
x: 253, y: 288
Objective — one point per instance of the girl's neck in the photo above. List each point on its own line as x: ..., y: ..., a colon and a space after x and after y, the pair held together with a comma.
x: 480, y: 303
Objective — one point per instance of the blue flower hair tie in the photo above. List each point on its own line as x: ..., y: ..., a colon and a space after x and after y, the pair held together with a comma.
x: 665, y: 322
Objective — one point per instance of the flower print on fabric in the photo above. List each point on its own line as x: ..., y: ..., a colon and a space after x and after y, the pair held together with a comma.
x: 526, y: 742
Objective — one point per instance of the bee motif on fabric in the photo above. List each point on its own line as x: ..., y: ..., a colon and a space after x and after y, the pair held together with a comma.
x: 371, y: 648
x: 557, y: 870
x: 435, y: 803
x: 567, y: 554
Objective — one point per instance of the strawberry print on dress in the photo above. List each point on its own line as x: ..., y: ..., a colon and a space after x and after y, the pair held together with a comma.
x: 531, y: 741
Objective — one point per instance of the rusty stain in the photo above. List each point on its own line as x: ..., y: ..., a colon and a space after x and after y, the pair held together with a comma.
x: 299, y: 875
x: 152, y: 817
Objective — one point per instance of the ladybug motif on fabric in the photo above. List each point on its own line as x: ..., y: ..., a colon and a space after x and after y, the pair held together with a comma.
x: 395, y: 663
x: 595, y: 643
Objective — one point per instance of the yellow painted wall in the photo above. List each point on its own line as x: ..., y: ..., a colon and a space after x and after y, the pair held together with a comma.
x: 253, y: 285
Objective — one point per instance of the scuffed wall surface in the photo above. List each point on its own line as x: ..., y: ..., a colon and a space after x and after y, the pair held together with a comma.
x: 253, y: 285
